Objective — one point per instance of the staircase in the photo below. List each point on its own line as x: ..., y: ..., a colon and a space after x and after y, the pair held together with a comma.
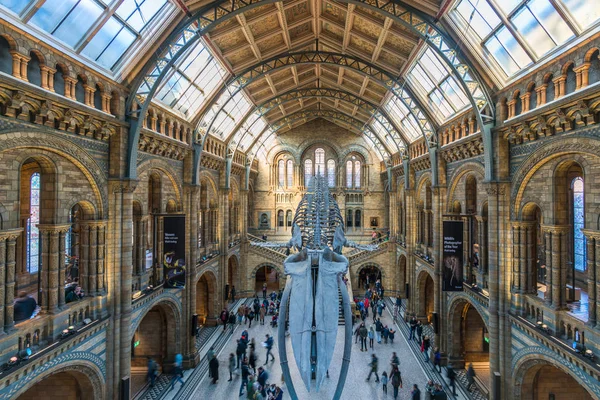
x: 341, y: 320
x: 272, y: 253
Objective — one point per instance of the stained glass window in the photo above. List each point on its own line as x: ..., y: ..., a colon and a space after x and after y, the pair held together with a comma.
x: 331, y: 173
x: 349, y: 174
x: 290, y: 173
x: 33, y: 241
x: 281, y: 173
x: 320, y: 162
x: 307, y: 172
x: 578, y: 224
x: 357, y: 174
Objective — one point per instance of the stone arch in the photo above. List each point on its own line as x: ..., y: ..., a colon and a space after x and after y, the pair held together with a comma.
x: 401, y: 274
x: 425, y: 295
x: 88, y: 374
x: 530, y: 360
x: 279, y: 271
x: 233, y: 273
x: 64, y: 148
x: 467, y: 330
x: 553, y: 149
x: 169, y: 301
x: 422, y: 182
x: 359, y: 281
x: 466, y: 168
x: 167, y: 170
x: 207, y: 296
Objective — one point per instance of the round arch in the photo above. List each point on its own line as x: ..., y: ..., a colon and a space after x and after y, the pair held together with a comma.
x: 425, y: 295
x: 368, y: 273
x: 154, y: 164
x: 530, y: 361
x: 233, y: 274
x: 207, y: 297
x: 86, y: 374
x: 466, y: 168
x: 275, y: 279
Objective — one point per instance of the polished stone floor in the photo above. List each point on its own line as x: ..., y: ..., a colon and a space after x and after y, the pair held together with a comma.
x: 355, y: 388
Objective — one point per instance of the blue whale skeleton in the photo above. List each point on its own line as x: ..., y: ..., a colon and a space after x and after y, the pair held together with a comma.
x: 316, y: 272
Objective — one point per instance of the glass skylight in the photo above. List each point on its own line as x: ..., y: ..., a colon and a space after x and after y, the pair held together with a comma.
x: 71, y: 21
x: 235, y: 108
x: 195, y: 79
x: 535, y: 27
x: 435, y: 83
x: 402, y: 118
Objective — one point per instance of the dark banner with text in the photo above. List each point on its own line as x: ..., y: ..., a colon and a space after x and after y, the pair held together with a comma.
x: 452, y: 262
x: 174, y: 251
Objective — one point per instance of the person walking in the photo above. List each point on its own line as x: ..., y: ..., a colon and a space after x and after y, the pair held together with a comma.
x: 419, y: 332
x: 452, y: 378
x: 425, y: 347
x: 437, y: 360
x: 384, y: 381
x: 470, y: 376
x: 415, y: 394
x: 269, y: 347
x: 240, y: 314
x: 232, y: 293
x: 224, y: 318
x: 378, y: 329
x: 262, y: 378
x: 397, y: 307
x: 250, y: 318
x: 371, y: 335
x: 357, y: 334
x: 250, y: 387
x: 429, y: 389
x: 245, y: 374
x: 374, y: 368
x: 209, y: 355
x: 396, y: 379
x: 366, y: 303
x: 262, y: 313
x: 240, y: 351
x: 152, y: 371
x: 385, y: 333
x: 177, y: 374
x: 252, y: 359
x: 231, y: 321
x: 246, y: 312
x: 264, y: 290
x: 391, y: 335
x: 363, y: 337
x: 213, y: 365
x: 394, y: 360
x: 413, y: 327
x: 232, y: 366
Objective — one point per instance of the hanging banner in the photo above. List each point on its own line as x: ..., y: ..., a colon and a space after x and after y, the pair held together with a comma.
x: 452, y: 262
x: 174, y: 251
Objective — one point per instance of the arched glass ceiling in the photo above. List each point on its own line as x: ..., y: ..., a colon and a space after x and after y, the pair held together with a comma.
x: 513, y: 34
x: 116, y: 25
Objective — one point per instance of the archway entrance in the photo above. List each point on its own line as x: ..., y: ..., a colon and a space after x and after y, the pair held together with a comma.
x: 154, y: 338
x: 544, y: 381
x: 267, y: 274
x: 469, y: 341
x: 367, y: 276
x: 401, y: 278
x: 232, y: 278
x: 71, y: 385
x: 205, y: 299
x: 426, y: 297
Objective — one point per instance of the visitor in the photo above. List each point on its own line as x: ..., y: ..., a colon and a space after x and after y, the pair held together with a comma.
x: 240, y: 351
x: 264, y: 290
x: 425, y: 347
x: 224, y: 317
x: 470, y: 376
x: 245, y: 374
x: 232, y: 366
x: 232, y: 293
x: 438, y: 393
x: 356, y: 334
x: 252, y: 359
x: 452, y: 378
x: 371, y: 336
x: 209, y: 355
x: 250, y: 387
x: 391, y: 335
x: 419, y: 331
x: 429, y: 389
x: 385, y: 333
x: 397, y: 307
x: 240, y: 314
x: 74, y: 295
x: 380, y: 307
x: 152, y: 371
x: 231, y: 321
x: 178, y: 374
x: 413, y: 327
x: 416, y: 393
x: 394, y: 360
x: 250, y: 318
x: 363, y: 337
x: 374, y: 368
x: 24, y: 307
x: 269, y: 346
x: 246, y: 312
x: 384, y: 381
x: 437, y: 360
x: 396, y: 379
x: 262, y: 378
x: 262, y: 314
x: 378, y: 329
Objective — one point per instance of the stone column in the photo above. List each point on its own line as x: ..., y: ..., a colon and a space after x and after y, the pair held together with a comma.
x: 47, y: 77
x: 84, y: 252
x: 140, y: 256
x: 593, y: 275
x: 50, y: 235
x: 101, y: 243
x: 8, y: 258
x: 92, y: 263
x: 549, y: 273
x: 61, y: 266
x: 190, y: 205
x: 2, y: 279
x: 559, y: 236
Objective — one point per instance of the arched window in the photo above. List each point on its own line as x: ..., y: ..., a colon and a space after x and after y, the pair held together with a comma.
x: 331, y: 173
x: 290, y: 173
x: 320, y: 162
x: 357, y: 174
x: 307, y: 172
x: 33, y: 239
x: 578, y: 224
x: 280, y: 218
x: 288, y: 218
x: 281, y: 173
x: 349, y: 218
x: 349, y: 174
x: 357, y: 218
